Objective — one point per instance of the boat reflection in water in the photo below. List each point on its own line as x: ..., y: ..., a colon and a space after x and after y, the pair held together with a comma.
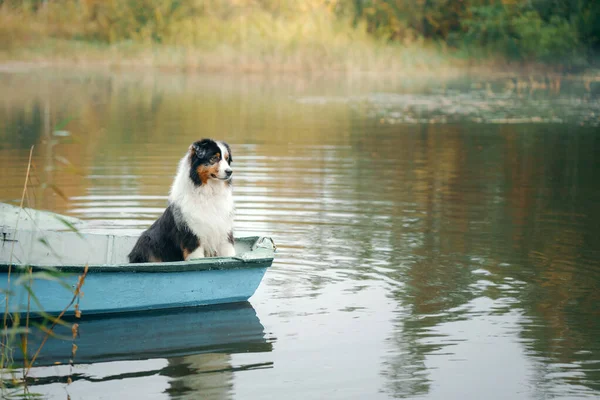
x: 180, y: 351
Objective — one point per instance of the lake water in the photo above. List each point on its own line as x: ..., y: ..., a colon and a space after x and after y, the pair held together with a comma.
x: 436, y: 240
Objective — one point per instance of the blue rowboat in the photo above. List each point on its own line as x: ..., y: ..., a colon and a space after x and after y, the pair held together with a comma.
x: 58, y: 258
x: 225, y: 328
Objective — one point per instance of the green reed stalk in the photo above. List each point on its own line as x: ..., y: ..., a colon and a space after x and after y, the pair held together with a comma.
x: 7, y: 296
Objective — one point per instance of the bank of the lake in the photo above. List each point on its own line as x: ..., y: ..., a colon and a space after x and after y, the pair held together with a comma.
x: 243, y: 36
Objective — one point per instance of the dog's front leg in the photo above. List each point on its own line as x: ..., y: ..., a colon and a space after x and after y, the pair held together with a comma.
x: 226, y: 250
x: 198, y: 253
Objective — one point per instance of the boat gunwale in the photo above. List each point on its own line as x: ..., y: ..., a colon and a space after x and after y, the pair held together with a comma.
x: 198, y: 264
x: 230, y: 263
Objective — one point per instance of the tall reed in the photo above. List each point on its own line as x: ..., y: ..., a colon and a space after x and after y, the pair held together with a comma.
x: 20, y: 279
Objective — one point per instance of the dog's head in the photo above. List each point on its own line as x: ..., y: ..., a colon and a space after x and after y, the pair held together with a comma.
x: 210, y: 159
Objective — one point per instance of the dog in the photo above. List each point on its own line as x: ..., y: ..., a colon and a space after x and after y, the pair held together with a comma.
x: 198, y: 221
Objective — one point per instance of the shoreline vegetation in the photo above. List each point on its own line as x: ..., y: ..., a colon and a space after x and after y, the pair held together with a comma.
x: 403, y: 37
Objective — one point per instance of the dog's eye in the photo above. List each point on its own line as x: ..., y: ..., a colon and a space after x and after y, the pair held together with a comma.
x: 214, y: 159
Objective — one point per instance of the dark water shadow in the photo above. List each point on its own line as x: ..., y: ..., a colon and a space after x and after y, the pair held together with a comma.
x: 233, y: 328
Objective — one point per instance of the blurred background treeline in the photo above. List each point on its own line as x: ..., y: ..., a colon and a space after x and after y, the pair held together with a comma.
x: 300, y: 35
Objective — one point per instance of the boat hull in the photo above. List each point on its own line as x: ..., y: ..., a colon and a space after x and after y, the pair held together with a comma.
x: 111, y: 292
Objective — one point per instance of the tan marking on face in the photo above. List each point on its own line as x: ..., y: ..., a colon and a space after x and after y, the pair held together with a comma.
x: 186, y: 253
x: 154, y: 259
x: 206, y: 172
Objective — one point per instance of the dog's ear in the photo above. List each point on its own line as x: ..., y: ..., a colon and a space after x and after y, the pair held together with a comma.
x: 198, y: 149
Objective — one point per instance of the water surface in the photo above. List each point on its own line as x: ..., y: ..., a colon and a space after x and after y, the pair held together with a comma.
x: 437, y: 240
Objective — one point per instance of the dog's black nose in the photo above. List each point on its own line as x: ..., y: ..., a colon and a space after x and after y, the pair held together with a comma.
x: 228, y: 172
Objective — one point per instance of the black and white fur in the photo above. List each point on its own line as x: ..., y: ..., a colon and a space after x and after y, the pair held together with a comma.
x: 198, y: 221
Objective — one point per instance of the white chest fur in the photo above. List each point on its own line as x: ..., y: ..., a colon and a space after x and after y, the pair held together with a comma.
x: 208, y: 210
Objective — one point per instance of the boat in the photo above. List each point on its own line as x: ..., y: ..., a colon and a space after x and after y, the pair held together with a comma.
x: 46, y: 265
x: 224, y: 328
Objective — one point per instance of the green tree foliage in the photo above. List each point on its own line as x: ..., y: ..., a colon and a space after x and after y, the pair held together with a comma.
x: 564, y: 31
x: 141, y: 20
x: 548, y: 30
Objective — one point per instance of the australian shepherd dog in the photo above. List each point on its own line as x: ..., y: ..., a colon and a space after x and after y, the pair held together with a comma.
x: 198, y: 221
